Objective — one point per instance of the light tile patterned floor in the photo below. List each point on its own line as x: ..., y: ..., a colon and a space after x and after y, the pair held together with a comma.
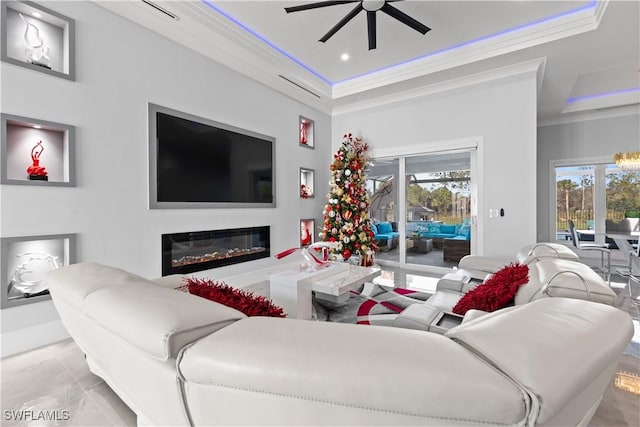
x: 54, y: 382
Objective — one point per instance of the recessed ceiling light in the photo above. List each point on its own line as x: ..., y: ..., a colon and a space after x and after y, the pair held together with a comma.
x: 37, y: 14
x: 37, y: 127
x: 344, y: 56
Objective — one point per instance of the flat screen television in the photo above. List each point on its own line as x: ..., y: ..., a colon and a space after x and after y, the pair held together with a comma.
x: 199, y: 163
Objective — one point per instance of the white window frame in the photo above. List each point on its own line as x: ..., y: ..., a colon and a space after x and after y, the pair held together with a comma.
x: 599, y: 197
x: 475, y: 145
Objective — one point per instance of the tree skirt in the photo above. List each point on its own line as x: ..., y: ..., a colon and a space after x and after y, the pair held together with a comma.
x: 370, y: 304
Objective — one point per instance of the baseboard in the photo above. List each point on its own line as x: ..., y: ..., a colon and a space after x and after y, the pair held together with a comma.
x: 25, y: 339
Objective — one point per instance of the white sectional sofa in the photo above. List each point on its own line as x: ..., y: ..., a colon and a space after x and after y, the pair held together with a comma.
x: 177, y: 359
x: 554, y: 271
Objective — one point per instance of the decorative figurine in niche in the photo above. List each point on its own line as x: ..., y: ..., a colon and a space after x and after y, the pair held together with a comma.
x: 35, y: 268
x: 305, y: 192
x: 35, y: 171
x: 305, y: 235
x: 303, y: 133
x: 37, y: 52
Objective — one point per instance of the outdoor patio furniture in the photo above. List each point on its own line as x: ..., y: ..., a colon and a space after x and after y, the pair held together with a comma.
x: 455, y: 249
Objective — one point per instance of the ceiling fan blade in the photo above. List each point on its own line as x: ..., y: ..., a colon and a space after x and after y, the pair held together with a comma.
x: 316, y: 5
x: 342, y: 22
x: 404, y: 18
x: 371, y: 29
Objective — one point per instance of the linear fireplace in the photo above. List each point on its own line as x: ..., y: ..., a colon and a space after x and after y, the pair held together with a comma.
x: 202, y: 250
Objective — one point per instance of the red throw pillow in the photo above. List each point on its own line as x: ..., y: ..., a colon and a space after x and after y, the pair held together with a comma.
x: 244, y: 301
x: 496, y: 292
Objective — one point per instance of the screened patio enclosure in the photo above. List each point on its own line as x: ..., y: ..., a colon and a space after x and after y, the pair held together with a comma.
x: 428, y: 206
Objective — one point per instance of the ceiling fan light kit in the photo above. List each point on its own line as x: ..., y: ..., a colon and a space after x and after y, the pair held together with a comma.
x: 369, y: 6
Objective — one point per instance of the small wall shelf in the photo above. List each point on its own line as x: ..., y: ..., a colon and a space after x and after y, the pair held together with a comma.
x: 306, y: 135
x: 38, y: 38
x: 52, y: 143
x: 25, y: 262
x: 307, y: 235
x: 307, y: 186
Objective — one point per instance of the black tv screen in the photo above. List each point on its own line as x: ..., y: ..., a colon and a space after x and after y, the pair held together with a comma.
x: 209, y: 164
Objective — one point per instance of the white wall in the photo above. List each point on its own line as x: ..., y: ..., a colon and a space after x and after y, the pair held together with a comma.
x: 502, y: 114
x: 594, y: 135
x: 121, y: 67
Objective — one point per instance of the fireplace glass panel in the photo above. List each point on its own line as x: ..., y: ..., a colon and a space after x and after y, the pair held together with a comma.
x: 202, y: 250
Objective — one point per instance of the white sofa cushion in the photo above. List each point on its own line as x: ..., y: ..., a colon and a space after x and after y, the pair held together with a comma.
x: 363, y: 374
x: 74, y: 282
x: 549, y: 369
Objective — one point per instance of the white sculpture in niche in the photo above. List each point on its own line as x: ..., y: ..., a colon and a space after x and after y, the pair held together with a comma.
x: 36, y: 50
x: 35, y: 268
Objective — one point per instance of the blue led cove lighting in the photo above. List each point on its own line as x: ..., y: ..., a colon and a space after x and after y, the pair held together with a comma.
x: 267, y: 42
x: 603, y: 94
x: 590, y: 5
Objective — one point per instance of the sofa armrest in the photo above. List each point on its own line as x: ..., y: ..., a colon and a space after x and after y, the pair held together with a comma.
x: 538, y: 333
x: 452, y: 282
x: 472, y: 315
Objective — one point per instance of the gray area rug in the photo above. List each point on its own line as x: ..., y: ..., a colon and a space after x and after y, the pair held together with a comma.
x: 370, y: 304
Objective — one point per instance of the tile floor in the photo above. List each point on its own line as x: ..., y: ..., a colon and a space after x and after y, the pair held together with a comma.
x: 55, y: 381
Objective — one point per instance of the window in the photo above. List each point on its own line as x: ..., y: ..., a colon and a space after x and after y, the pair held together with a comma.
x: 592, y: 193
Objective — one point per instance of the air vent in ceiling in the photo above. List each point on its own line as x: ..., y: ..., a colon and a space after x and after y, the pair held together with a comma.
x: 298, y: 85
x: 161, y: 9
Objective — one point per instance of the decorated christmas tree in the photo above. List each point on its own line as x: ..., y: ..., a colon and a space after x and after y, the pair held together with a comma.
x: 346, y: 214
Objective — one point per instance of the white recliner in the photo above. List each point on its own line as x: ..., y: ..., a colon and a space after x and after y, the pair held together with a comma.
x: 554, y: 271
x: 478, y: 267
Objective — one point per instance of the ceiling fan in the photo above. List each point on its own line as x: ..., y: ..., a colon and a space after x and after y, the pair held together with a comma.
x: 371, y: 7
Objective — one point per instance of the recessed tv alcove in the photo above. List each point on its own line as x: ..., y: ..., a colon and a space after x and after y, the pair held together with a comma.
x: 200, y: 163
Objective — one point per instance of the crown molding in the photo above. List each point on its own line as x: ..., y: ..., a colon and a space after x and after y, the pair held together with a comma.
x: 532, y: 67
x: 201, y: 28
x: 580, y: 22
x: 629, y: 110
x: 602, y: 102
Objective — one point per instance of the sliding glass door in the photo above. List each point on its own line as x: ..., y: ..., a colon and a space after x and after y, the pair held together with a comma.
x: 438, y: 208
x: 382, y: 184
x: 426, y: 201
